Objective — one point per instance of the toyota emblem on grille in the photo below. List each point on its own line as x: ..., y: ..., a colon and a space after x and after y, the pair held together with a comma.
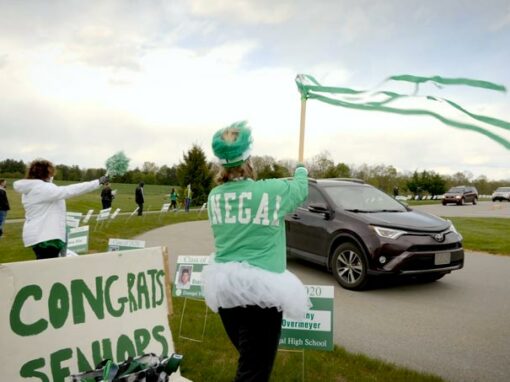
x: 439, y: 237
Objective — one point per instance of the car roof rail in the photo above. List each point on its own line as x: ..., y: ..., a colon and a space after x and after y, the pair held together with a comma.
x: 355, y: 180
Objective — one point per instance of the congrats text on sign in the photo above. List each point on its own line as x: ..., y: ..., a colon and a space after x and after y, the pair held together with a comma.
x: 63, y: 316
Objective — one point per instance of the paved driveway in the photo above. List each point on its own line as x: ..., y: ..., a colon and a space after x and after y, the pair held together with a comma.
x: 458, y: 327
x: 482, y: 209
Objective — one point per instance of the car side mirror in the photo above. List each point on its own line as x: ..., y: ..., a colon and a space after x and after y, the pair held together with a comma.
x: 319, y: 208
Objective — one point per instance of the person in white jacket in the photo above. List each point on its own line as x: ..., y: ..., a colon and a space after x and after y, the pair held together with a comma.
x: 45, y: 208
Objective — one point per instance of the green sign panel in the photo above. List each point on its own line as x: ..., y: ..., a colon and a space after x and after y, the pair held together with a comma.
x: 78, y: 239
x: 315, y: 331
x: 188, y: 276
x: 122, y: 244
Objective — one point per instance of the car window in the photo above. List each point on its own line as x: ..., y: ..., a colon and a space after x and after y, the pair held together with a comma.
x: 363, y: 198
x: 314, y: 197
x: 457, y: 190
x: 503, y: 189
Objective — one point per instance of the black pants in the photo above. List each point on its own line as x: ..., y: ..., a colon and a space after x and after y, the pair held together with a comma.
x: 46, y: 253
x: 106, y: 204
x: 255, y: 333
x: 140, y: 209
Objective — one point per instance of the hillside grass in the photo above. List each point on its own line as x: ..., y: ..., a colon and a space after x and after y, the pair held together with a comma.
x: 155, y: 196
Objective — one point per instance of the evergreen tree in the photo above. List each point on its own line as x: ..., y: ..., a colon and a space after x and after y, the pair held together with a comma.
x: 196, y: 171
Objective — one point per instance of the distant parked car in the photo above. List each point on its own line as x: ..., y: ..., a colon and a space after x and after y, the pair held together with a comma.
x: 460, y: 195
x: 357, y: 232
x: 501, y: 193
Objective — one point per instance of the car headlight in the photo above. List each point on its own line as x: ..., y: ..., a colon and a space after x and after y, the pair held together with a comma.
x: 453, y: 229
x: 388, y: 233
x: 457, y: 197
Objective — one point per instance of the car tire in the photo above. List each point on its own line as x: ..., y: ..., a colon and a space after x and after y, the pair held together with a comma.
x: 349, y: 266
x: 443, y: 203
x: 474, y: 202
x: 460, y: 202
x: 429, y: 277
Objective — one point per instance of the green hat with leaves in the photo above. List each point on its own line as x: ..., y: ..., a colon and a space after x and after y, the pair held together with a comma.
x: 232, y: 144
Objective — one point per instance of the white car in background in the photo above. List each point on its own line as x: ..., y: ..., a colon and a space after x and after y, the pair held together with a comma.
x: 501, y: 193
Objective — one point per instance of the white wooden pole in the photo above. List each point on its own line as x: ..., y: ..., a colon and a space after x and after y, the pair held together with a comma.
x: 302, y: 132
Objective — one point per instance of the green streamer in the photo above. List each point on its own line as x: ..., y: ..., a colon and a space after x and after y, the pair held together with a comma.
x: 353, y: 100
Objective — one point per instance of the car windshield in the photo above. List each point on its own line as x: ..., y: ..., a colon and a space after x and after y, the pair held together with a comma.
x: 503, y: 189
x: 362, y: 198
x: 456, y: 190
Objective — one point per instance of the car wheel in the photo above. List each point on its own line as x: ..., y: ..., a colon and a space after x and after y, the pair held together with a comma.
x: 349, y: 266
x: 429, y: 277
x: 474, y: 202
x: 460, y: 202
x: 444, y: 203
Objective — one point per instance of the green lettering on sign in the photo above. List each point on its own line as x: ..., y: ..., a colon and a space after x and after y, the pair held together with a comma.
x: 29, y: 370
x: 109, y: 306
x: 58, y: 372
x: 143, y: 292
x: 125, y: 348
x: 142, y: 340
x: 17, y: 325
x: 79, y: 290
x: 58, y: 305
x: 131, y: 278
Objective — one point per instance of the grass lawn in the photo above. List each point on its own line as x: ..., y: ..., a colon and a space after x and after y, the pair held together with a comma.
x: 155, y: 196
x: 215, y: 359
x: 485, y: 234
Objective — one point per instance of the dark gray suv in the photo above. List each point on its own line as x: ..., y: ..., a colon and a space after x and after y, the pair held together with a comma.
x: 460, y: 195
x: 358, y: 231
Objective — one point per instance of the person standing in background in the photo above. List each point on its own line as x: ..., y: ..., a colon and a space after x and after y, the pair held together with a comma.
x: 106, y: 196
x: 139, y: 198
x: 173, y: 199
x: 187, y: 198
x: 4, y: 205
x: 45, y: 208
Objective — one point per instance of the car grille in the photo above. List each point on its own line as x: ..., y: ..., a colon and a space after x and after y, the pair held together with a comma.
x: 435, y: 247
x: 426, y: 261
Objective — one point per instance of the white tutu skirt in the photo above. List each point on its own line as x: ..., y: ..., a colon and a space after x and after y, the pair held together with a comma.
x: 227, y: 285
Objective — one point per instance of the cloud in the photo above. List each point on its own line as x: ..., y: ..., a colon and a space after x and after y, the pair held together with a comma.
x: 243, y: 11
x: 503, y: 20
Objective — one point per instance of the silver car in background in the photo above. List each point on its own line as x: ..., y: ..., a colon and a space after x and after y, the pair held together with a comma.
x: 501, y: 193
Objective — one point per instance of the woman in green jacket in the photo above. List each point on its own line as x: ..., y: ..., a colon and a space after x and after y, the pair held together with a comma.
x: 247, y: 281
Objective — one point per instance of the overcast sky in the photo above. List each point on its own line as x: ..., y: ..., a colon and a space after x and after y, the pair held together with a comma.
x: 81, y: 80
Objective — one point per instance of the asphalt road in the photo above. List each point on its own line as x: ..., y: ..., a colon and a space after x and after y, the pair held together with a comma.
x: 482, y: 209
x: 458, y: 327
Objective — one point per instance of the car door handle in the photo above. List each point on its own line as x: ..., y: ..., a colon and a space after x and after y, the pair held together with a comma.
x: 296, y: 217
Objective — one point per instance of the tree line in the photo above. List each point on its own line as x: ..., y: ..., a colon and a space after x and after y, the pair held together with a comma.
x: 195, y: 169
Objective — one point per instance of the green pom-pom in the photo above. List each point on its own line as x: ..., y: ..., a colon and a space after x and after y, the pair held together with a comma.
x: 117, y: 164
x: 232, y: 144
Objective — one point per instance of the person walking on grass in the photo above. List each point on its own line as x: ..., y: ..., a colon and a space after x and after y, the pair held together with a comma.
x: 44, y: 229
x: 4, y: 205
x: 139, y: 198
x: 106, y: 196
x: 246, y: 280
x: 173, y: 199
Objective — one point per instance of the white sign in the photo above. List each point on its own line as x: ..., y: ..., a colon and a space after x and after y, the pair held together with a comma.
x: 166, y: 207
x: 87, y: 217
x: 73, y: 219
x: 78, y: 239
x: 123, y: 244
x: 61, y: 316
x: 114, y: 215
x: 104, y: 214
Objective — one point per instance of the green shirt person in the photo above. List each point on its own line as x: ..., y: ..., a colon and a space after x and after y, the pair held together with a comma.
x: 246, y: 280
